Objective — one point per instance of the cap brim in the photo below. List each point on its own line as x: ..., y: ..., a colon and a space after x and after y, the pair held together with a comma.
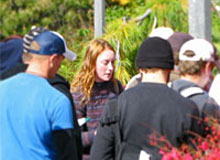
x: 70, y: 55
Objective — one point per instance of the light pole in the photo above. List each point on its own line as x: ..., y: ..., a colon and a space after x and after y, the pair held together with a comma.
x: 99, y: 17
x: 200, y: 21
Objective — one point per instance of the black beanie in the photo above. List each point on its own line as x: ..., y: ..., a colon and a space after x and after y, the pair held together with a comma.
x: 155, y: 52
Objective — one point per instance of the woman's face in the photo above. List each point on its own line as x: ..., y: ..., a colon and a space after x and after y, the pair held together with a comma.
x: 105, y: 66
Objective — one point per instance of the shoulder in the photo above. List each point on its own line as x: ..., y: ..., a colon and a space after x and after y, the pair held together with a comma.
x: 133, y: 81
x: 211, y: 102
x: 59, y: 81
x: 192, y: 91
x: 55, y: 93
x: 49, y: 92
x: 14, y: 80
x: 178, y: 101
x: 110, y: 112
x: 77, y: 94
x: 177, y: 97
x: 120, y: 86
x: 203, y: 98
x: 61, y: 84
x: 56, y: 101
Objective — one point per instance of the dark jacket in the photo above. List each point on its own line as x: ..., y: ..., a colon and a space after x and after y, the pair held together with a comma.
x: 207, y: 105
x: 204, y: 102
x: 63, y: 86
x: 145, y: 111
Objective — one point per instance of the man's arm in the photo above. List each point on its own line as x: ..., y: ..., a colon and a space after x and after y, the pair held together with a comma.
x: 103, y: 147
x: 62, y: 128
x: 65, y: 142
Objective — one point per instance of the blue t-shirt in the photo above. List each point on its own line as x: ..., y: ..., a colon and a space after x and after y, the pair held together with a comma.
x: 30, y: 109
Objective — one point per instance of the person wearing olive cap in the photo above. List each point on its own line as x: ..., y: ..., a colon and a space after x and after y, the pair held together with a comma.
x: 37, y: 119
x: 150, y: 109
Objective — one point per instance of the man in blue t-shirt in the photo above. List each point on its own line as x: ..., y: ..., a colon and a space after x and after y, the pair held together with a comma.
x: 36, y: 119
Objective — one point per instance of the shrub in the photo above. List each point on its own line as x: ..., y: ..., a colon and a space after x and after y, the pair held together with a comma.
x: 203, y: 148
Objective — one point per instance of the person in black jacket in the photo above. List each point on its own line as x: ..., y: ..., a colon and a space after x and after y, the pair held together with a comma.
x: 61, y: 84
x: 67, y: 148
x: 150, y: 110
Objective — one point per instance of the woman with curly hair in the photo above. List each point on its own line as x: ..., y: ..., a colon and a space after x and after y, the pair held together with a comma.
x: 93, y: 86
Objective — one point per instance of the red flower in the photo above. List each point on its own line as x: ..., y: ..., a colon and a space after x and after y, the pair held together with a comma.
x: 204, y: 146
x: 187, y: 157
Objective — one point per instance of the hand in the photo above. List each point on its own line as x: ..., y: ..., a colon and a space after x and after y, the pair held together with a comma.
x: 95, y: 132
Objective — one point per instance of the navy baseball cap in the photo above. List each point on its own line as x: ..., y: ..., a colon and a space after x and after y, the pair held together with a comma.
x: 50, y: 42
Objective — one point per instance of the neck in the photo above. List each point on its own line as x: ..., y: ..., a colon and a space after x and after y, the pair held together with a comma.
x: 37, y: 74
x: 154, y: 78
x: 193, y: 78
x: 37, y: 70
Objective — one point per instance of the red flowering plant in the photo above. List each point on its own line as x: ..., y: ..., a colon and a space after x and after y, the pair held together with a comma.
x: 203, y: 148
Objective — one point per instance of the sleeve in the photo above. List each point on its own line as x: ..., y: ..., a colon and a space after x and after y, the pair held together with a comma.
x: 61, y: 116
x: 63, y: 129
x: 65, y: 142
x: 211, y: 108
x: 87, y: 136
x: 103, y: 147
x: 80, y: 110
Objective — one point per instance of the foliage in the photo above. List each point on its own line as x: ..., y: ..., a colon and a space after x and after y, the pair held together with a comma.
x: 74, y: 20
x: 60, y: 15
x: 130, y: 33
x: 207, y: 148
x: 169, y: 13
x: 122, y: 2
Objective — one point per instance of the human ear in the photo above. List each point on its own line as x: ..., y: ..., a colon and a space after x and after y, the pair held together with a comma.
x: 209, y: 67
x: 52, y: 60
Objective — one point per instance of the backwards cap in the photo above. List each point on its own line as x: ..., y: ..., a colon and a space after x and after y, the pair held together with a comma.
x: 49, y: 43
x: 202, y: 49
